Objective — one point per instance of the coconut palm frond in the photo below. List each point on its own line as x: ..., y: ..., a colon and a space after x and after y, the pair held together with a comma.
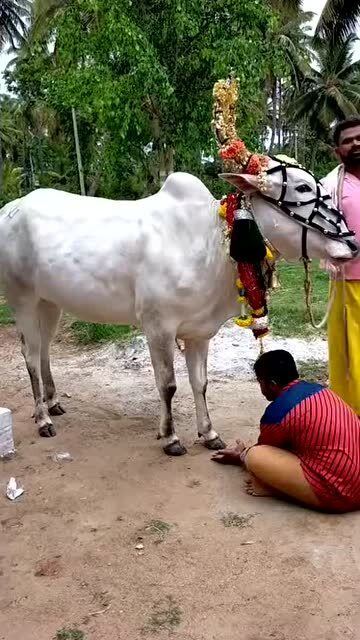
x: 338, y: 19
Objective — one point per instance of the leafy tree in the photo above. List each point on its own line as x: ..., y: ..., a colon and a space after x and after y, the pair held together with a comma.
x: 338, y: 19
x: 13, y: 26
x: 140, y: 77
x: 332, y: 90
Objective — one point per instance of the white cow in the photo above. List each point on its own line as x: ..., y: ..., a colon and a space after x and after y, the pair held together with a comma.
x: 158, y: 263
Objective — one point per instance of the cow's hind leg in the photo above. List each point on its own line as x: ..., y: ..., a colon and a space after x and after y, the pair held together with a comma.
x: 162, y: 347
x: 196, y: 353
x: 49, y: 315
x: 28, y: 325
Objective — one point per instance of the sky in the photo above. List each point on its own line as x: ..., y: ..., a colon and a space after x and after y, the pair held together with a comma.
x: 315, y: 6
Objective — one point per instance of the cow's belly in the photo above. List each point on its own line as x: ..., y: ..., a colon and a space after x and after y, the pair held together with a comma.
x: 103, y: 298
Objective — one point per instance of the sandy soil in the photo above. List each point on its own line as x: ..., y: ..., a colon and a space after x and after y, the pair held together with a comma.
x: 68, y: 545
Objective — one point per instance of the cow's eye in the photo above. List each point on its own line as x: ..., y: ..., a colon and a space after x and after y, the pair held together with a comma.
x: 304, y: 188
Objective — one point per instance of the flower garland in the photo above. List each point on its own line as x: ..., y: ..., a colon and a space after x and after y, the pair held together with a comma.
x: 245, y: 244
x: 236, y: 155
x: 253, y: 312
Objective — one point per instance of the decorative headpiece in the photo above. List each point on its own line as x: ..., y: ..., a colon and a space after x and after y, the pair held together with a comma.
x: 236, y: 157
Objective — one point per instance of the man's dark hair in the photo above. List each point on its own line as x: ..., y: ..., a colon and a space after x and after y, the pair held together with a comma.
x: 351, y: 121
x: 276, y: 366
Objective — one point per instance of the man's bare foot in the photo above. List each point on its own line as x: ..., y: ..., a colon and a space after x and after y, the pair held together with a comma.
x: 256, y: 488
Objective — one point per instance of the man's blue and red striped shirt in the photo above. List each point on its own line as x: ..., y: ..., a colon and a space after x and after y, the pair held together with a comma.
x: 324, y: 432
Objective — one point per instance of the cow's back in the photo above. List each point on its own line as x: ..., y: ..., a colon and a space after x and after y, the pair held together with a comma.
x: 109, y: 260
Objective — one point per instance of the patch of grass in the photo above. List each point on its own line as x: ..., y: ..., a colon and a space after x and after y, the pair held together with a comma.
x: 166, y: 615
x: 235, y: 520
x: 314, y: 371
x: 6, y: 316
x: 159, y: 529
x: 69, y: 634
x: 90, y: 333
x: 288, y: 314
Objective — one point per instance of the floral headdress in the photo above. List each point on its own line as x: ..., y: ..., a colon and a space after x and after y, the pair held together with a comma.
x: 236, y: 157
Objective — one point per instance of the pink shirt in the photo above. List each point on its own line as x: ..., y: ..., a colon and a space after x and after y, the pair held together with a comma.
x: 351, y: 209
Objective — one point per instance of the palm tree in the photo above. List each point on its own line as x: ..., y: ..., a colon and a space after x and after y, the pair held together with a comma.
x: 13, y: 27
x: 329, y: 92
x: 338, y: 19
x: 42, y: 13
x: 288, y: 7
x: 290, y: 41
x: 13, y: 21
x: 332, y: 90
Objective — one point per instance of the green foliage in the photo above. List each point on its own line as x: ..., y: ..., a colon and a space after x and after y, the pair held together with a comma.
x: 140, y: 76
x: 12, y: 178
x: 331, y: 90
x: 6, y: 316
x: 338, y: 19
x: 13, y: 15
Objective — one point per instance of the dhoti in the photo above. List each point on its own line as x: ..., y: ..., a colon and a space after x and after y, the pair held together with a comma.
x: 344, y: 342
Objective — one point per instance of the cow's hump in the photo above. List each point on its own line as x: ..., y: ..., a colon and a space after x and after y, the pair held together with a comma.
x: 184, y: 186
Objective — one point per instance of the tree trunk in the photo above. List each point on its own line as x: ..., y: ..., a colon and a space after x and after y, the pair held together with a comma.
x: 279, y: 123
x: 94, y: 184
x: 78, y: 154
x: 274, y: 116
x: 166, y: 163
x: 296, y: 138
x: 313, y: 157
x: 1, y: 169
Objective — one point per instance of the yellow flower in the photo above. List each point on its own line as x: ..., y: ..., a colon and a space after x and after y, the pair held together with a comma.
x: 241, y: 299
x: 223, y: 210
x: 243, y: 322
x: 259, y: 312
x: 239, y: 284
x: 269, y: 254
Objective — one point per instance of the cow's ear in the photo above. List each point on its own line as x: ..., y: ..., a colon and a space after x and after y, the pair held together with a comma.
x: 244, y: 182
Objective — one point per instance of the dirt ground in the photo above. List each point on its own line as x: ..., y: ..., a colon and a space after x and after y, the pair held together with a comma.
x: 213, y: 563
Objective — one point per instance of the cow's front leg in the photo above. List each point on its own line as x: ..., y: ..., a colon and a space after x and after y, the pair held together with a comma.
x: 196, y: 353
x: 162, y: 356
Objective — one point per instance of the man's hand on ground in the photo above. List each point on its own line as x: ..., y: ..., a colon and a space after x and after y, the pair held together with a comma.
x: 231, y: 455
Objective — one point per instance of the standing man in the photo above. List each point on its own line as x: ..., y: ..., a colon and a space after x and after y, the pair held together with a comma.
x: 344, y: 322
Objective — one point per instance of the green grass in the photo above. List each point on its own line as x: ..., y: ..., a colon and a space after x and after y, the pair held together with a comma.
x: 89, y: 333
x: 69, y: 634
x: 288, y: 313
x: 6, y: 316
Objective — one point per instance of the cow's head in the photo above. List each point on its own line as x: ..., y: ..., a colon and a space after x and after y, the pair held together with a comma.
x: 291, y: 207
x: 294, y: 211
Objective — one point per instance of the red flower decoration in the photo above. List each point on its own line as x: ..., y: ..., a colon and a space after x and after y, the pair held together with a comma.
x: 257, y: 164
x: 233, y: 150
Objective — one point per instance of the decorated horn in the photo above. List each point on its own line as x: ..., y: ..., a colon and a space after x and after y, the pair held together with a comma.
x: 236, y: 157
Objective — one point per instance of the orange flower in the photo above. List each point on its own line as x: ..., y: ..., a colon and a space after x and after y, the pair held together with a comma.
x: 233, y: 150
x: 257, y: 164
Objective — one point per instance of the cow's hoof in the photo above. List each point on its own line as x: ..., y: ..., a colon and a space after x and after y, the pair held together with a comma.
x: 47, y: 431
x: 57, y: 410
x: 175, y: 449
x: 215, y: 445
